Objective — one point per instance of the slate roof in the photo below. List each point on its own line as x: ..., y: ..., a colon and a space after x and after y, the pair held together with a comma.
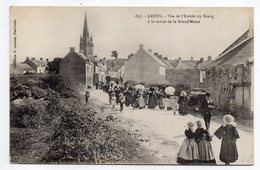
x: 231, y: 55
x: 174, y: 63
x: 41, y: 63
x: 86, y: 59
x: 167, y: 64
x: 20, y: 68
x: 187, y: 64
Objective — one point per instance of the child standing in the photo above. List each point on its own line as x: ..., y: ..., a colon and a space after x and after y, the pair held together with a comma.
x: 87, y: 96
x: 121, y: 101
x: 229, y: 134
x: 202, y: 137
x: 188, y: 153
x: 113, y: 100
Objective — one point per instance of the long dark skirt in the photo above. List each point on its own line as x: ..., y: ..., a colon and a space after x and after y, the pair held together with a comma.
x: 134, y: 102
x: 183, y: 108
x: 128, y: 100
x: 206, y: 155
x: 153, y: 102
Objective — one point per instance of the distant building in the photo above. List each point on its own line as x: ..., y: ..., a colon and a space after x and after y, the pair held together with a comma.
x: 77, y: 67
x: 100, y: 70
x: 21, y: 68
x: 115, y: 68
x: 39, y: 66
x: 146, y: 67
x: 189, y: 72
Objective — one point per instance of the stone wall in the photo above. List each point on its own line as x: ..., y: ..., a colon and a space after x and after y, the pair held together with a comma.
x: 230, y: 88
x: 190, y: 77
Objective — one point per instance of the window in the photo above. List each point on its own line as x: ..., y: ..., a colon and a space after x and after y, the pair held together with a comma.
x: 161, y: 71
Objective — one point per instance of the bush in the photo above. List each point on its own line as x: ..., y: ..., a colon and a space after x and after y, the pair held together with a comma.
x: 27, y: 114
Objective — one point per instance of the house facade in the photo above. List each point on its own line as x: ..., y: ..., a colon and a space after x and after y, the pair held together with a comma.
x: 100, y: 71
x: 115, y: 68
x: 77, y: 67
x: 145, y: 67
x: 39, y: 66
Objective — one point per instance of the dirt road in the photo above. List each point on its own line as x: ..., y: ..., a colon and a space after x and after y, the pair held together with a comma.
x: 162, y: 133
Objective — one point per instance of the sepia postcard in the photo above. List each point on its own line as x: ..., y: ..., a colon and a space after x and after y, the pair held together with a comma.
x: 131, y: 85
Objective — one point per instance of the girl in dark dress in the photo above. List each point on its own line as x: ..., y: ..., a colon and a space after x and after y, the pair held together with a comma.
x: 183, y: 110
x: 134, y: 98
x: 188, y: 153
x: 161, y: 96
x: 229, y: 135
x: 202, y: 137
x: 153, y: 100
x: 128, y: 97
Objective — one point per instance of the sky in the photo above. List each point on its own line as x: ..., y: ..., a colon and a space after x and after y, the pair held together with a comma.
x: 49, y: 32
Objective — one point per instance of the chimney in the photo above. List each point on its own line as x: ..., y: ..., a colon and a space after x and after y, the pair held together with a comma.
x: 47, y: 60
x: 72, y: 49
x: 150, y: 50
x: 201, y: 59
x: 160, y: 56
x: 191, y: 58
x: 156, y: 54
x: 41, y: 59
x: 33, y: 58
x: 179, y: 58
x: 141, y: 46
x: 27, y: 58
x: 130, y: 55
x: 165, y: 58
x: 209, y: 58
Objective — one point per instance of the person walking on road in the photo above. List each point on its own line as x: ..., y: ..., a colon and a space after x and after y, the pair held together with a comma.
x: 205, y: 110
x: 121, y: 101
x: 229, y: 134
x: 113, y: 100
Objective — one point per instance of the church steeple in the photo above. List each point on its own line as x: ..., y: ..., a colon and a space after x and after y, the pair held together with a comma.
x: 85, y: 29
x: 86, y: 41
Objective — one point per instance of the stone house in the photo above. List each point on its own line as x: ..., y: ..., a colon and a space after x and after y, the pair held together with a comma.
x: 146, y: 67
x: 20, y: 68
x: 229, y: 78
x: 187, y: 72
x: 100, y: 71
x: 77, y: 67
x: 115, y: 67
x: 39, y: 66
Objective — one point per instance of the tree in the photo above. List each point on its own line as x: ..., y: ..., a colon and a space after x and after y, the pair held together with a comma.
x: 53, y: 67
x: 114, y: 54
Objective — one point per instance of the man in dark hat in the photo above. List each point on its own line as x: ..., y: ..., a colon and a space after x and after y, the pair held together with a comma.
x: 205, y: 111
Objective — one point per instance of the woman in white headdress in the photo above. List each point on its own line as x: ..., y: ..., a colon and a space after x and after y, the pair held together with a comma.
x: 229, y: 134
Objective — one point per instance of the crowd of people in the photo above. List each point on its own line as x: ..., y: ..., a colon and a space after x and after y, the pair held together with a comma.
x: 140, y: 98
x: 196, y: 147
